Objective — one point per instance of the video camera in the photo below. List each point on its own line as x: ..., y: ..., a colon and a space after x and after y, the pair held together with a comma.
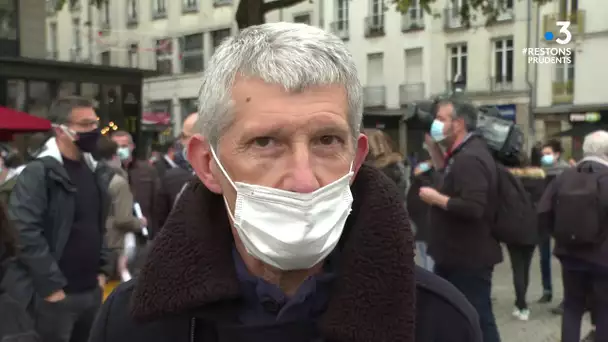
x: 504, y: 138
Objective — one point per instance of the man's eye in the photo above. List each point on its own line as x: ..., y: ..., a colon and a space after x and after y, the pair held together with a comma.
x: 330, y: 140
x: 262, y: 142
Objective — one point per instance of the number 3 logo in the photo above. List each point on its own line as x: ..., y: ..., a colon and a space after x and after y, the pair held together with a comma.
x: 564, y: 25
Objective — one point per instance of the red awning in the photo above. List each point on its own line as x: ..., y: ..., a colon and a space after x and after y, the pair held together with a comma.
x: 13, y: 121
x: 162, y: 119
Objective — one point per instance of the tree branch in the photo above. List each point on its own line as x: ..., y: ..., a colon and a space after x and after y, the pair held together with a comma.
x: 278, y: 4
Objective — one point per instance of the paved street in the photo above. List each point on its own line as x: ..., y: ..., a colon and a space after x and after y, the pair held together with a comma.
x: 542, y: 326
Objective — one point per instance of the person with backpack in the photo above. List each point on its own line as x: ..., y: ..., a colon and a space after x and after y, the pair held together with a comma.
x: 521, y: 251
x: 15, y: 323
x: 463, y: 207
x: 574, y: 207
x: 59, y: 207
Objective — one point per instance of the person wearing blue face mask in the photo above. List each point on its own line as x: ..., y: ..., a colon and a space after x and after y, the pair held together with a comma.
x: 463, y: 202
x: 553, y: 165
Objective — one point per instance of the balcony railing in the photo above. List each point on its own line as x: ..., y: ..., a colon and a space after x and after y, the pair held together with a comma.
x: 189, y: 7
x: 409, y: 93
x: 159, y: 13
x: 576, y: 19
x: 218, y: 3
x: 413, y: 20
x: 451, y: 16
x: 505, y: 15
x: 340, y: 28
x: 501, y: 84
x: 563, y: 92
x: 132, y: 20
x: 374, y: 25
x: 54, y: 55
x: 374, y: 96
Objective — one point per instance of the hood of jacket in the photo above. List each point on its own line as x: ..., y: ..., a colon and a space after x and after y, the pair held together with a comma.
x: 190, y: 267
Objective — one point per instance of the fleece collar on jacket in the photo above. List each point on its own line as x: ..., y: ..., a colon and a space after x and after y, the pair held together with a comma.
x: 190, y: 267
x: 51, y: 149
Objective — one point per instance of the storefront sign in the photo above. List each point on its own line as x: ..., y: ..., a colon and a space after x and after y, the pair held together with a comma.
x: 585, y: 117
x: 507, y: 112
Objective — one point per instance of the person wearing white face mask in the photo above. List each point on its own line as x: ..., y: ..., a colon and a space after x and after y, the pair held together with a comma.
x: 285, y: 235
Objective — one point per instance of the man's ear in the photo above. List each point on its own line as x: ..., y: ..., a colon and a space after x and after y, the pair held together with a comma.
x: 201, y: 160
x: 361, y: 150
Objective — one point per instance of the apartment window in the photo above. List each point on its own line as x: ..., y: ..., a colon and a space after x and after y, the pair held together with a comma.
x: 567, y: 8
x: 133, y: 56
x: 342, y: 14
x: 302, y: 18
x: 106, y: 59
x: 454, y: 9
x: 217, y: 37
x: 104, y: 14
x: 8, y: 20
x: 565, y: 71
x: 188, y: 106
x: 377, y: 12
x: 132, y: 11
x: 503, y: 61
x: 458, y: 62
x: 164, y: 56
x: 76, y: 36
x: 53, y: 38
x: 416, y: 12
x: 189, y: 5
x: 191, y: 49
x: 159, y: 8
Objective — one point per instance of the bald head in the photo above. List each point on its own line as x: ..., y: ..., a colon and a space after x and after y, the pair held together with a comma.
x: 188, y: 128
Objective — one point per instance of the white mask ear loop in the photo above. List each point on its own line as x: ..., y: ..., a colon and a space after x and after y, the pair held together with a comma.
x: 219, y: 164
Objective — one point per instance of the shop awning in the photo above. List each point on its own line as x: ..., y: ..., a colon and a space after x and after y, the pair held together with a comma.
x: 13, y: 121
x: 160, y: 119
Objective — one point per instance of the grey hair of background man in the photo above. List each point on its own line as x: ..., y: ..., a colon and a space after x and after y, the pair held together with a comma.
x: 463, y: 109
x: 61, y: 109
x: 596, y: 144
x: 294, y: 56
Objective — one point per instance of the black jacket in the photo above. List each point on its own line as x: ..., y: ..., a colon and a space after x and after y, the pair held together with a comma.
x: 41, y: 207
x: 418, y: 210
x: 170, y: 185
x: 189, y: 286
x: 461, y: 236
x: 443, y: 314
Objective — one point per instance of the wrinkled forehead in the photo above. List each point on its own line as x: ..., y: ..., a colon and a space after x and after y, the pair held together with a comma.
x: 445, y: 111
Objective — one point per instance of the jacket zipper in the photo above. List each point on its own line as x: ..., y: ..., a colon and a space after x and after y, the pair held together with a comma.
x: 192, y: 329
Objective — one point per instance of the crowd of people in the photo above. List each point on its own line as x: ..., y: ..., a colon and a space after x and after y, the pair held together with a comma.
x: 275, y: 217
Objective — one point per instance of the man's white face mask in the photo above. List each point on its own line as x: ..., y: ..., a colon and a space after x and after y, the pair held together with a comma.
x: 289, y: 230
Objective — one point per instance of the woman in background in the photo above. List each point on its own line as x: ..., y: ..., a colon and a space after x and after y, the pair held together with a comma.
x: 383, y: 156
x: 532, y: 178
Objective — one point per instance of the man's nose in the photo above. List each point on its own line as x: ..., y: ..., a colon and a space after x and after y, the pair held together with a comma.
x: 302, y: 177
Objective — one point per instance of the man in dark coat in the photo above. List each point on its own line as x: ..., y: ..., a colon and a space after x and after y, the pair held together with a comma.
x: 172, y: 182
x: 143, y: 178
x: 285, y: 236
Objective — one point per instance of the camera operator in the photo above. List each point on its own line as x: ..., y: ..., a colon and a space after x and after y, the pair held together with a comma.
x: 461, y: 240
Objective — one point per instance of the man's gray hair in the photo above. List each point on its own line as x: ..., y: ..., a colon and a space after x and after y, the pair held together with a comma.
x: 61, y: 109
x: 294, y: 56
x: 596, y: 144
x: 463, y: 109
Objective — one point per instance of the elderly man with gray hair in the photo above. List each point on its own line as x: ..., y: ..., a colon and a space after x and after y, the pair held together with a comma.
x: 284, y: 235
x: 574, y: 207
